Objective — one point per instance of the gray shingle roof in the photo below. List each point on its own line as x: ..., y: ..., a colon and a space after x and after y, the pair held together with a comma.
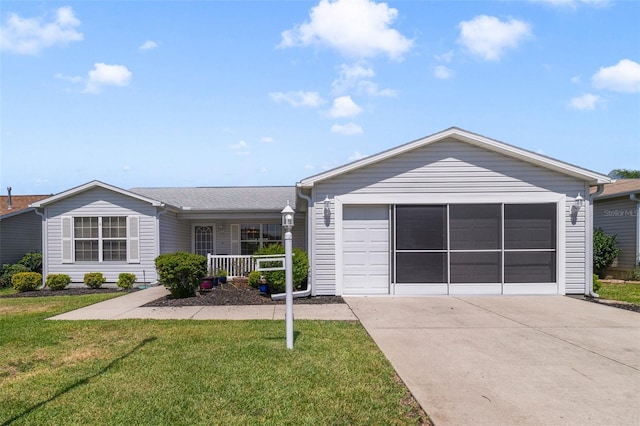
x: 238, y: 198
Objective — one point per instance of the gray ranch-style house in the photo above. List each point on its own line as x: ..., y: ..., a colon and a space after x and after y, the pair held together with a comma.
x: 617, y: 211
x: 451, y: 213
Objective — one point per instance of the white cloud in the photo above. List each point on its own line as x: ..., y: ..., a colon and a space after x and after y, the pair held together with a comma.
x: 445, y: 57
x: 28, y: 36
x: 357, y: 77
x: 241, y: 148
x: 623, y: 77
x: 267, y: 139
x: 309, y: 167
x: 443, y: 73
x: 356, y: 156
x: 107, y: 75
x: 298, y: 99
x: 344, y: 107
x: 355, y: 28
x: 586, y: 102
x: 70, y: 78
x: 148, y: 45
x: 489, y: 37
x: 573, y: 4
x: 576, y: 79
x: 346, y: 129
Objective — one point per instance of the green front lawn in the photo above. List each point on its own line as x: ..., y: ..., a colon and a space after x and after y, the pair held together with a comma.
x: 626, y: 292
x: 190, y: 372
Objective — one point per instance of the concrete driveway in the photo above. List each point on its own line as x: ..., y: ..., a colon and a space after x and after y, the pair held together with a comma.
x: 549, y: 360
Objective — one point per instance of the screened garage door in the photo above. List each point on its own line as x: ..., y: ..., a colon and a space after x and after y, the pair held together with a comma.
x: 365, y: 250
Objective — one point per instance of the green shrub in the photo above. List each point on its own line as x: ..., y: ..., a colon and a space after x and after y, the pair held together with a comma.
x: 181, y: 272
x: 254, y: 279
x: 94, y: 279
x: 276, y: 279
x: 58, y: 281
x: 605, y: 250
x: 596, y: 283
x: 635, y: 274
x: 26, y: 281
x: 222, y: 273
x: 126, y: 280
x: 33, y: 261
x: 8, y: 271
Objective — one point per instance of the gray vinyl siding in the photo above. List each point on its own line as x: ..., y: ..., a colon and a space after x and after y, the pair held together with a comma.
x: 20, y: 234
x: 443, y: 168
x: 175, y: 234
x: 102, y: 202
x: 619, y: 216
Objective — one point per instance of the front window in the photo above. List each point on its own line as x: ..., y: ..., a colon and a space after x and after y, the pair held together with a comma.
x: 255, y: 235
x: 98, y: 239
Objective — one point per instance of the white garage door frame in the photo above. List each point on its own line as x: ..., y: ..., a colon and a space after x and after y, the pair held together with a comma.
x: 461, y: 198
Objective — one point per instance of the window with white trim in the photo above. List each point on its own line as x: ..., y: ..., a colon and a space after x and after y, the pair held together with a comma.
x: 255, y: 235
x: 100, y: 239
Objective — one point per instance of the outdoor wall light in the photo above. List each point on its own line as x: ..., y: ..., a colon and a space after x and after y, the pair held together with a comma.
x: 327, y: 207
x: 578, y: 203
x: 287, y: 217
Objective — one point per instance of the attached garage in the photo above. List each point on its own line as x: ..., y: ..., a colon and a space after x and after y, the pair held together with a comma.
x: 453, y: 213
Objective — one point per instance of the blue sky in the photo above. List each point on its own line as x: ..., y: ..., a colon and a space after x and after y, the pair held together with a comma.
x: 211, y: 93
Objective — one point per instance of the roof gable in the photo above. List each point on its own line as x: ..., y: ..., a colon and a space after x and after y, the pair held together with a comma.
x: 591, y: 177
x: 91, y: 185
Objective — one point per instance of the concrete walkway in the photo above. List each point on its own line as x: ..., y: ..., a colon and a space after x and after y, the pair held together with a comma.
x: 129, y: 306
x: 536, y: 360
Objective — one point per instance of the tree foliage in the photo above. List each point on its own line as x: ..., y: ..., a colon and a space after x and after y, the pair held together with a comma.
x: 624, y: 174
x: 605, y: 250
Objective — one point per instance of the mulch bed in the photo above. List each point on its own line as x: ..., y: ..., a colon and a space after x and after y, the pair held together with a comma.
x: 236, y: 293
x: 615, y: 304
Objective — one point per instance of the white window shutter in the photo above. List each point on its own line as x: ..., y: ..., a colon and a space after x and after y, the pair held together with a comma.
x: 67, y: 239
x: 235, y: 239
x: 133, y: 239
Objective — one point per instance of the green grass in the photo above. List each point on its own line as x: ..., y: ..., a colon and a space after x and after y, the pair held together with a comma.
x: 190, y: 372
x: 626, y: 292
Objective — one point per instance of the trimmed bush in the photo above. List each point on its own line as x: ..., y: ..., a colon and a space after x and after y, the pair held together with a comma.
x: 58, y: 281
x: 276, y: 279
x: 94, y: 279
x: 26, y: 281
x: 181, y: 272
x: 254, y: 279
x: 605, y: 250
x: 596, y: 283
x: 9, y: 271
x: 126, y: 280
x: 33, y: 261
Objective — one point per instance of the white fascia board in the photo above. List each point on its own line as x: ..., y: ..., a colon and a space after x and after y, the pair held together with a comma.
x: 91, y: 185
x: 592, y: 178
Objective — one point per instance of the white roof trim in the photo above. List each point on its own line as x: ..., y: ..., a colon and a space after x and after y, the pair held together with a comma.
x: 593, y: 178
x: 16, y: 213
x: 92, y: 185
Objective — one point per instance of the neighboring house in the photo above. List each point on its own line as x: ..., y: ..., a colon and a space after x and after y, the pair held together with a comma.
x: 617, y: 211
x: 98, y: 227
x: 452, y: 213
x: 20, y: 227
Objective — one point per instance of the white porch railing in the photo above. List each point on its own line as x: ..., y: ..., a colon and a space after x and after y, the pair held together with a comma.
x: 235, y: 265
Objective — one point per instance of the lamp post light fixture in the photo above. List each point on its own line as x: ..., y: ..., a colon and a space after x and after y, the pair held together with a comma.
x: 287, y: 224
x: 577, y: 204
x: 327, y: 207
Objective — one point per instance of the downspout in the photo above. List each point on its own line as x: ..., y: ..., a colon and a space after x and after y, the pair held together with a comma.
x: 634, y: 197
x: 45, y: 266
x: 307, y: 292
x: 158, y: 214
x: 589, y: 288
